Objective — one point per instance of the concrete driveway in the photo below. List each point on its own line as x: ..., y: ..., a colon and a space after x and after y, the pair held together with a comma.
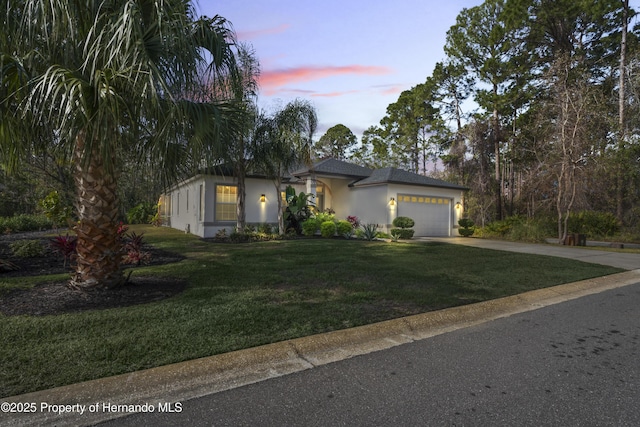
x: 627, y: 261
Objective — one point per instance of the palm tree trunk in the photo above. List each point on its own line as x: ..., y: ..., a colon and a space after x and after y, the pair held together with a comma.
x: 99, y: 249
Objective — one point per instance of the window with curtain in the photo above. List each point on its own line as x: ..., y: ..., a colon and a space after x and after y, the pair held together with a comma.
x: 226, y: 202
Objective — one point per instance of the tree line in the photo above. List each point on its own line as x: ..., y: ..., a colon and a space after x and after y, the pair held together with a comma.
x: 534, y: 109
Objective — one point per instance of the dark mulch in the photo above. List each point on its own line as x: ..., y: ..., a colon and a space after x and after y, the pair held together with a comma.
x: 58, y: 298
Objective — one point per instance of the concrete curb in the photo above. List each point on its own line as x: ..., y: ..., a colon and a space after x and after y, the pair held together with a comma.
x: 161, y: 388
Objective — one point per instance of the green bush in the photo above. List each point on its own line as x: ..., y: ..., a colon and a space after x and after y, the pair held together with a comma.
x: 593, y: 224
x: 55, y: 209
x: 324, y: 217
x: 24, y: 222
x: 344, y: 227
x: 402, y: 233
x: 328, y: 229
x: 27, y: 248
x: 517, y: 228
x: 403, y: 222
x: 310, y: 226
x: 265, y: 228
x: 466, y: 227
x: 142, y: 213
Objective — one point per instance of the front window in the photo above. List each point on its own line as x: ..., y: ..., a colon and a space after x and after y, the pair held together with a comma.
x: 226, y: 196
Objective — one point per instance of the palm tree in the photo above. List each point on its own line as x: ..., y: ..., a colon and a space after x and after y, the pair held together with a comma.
x: 283, y: 141
x: 104, y: 79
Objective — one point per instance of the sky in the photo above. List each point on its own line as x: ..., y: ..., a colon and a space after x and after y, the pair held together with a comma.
x: 349, y: 58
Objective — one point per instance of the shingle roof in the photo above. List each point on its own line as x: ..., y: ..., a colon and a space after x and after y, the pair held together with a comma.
x: 365, y: 176
x: 400, y: 176
x: 331, y: 166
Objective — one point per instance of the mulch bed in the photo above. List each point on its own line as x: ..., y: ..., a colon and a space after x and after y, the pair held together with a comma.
x: 58, y: 298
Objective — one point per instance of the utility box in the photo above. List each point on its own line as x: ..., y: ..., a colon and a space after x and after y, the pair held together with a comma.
x: 575, y: 239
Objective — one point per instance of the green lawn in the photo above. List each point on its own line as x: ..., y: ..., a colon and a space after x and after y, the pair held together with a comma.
x: 241, y: 296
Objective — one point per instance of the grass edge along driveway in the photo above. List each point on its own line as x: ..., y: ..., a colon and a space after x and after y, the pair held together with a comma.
x: 245, y: 295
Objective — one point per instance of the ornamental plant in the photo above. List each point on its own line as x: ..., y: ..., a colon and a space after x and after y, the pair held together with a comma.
x: 27, y: 248
x: 310, y: 226
x: 344, y: 228
x: 328, y: 229
x: 403, y: 230
x: 65, y: 246
x: 133, y: 253
x: 466, y: 227
x: 369, y: 231
x: 354, y: 220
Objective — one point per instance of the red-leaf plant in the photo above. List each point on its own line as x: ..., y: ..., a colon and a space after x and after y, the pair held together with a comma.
x: 65, y: 246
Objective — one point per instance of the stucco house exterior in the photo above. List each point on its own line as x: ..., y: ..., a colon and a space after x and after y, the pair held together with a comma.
x: 206, y: 203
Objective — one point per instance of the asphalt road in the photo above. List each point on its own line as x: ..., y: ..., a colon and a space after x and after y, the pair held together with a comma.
x: 571, y: 364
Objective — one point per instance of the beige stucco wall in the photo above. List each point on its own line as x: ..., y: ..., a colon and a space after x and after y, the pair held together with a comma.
x: 371, y: 204
x: 186, y: 204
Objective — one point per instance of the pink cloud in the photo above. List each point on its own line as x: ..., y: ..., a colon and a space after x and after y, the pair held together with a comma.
x: 250, y: 35
x: 334, y: 94
x: 390, y: 89
x: 270, y: 80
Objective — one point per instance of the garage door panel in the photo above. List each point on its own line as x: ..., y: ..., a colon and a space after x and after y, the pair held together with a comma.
x: 432, y: 215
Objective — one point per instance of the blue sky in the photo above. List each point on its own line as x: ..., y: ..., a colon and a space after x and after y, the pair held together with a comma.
x: 350, y: 58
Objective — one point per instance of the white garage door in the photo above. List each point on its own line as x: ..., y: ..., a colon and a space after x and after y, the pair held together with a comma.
x: 432, y: 215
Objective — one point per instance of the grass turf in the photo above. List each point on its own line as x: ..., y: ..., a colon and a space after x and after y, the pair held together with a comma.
x: 246, y: 295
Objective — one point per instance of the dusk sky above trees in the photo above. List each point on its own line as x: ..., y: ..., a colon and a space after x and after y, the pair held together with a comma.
x: 351, y: 59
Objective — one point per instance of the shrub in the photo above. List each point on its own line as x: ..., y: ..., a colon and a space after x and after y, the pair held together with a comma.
x: 344, y: 227
x: 517, y: 228
x: 24, y: 222
x: 593, y: 224
x: 324, y: 217
x: 134, y: 254
x: 265, y: 228
x: 310, y: 226
x: 221, y: 234
x: 466, y: 227
x: 54, y: 209
x: 142, y: 213
x: 354, y: 220
x: 369, y: 231
x: 27, y: 248
x: 65, y: 246
x: 403, y: 222
x: 401, y: 233
x: 328, y: 229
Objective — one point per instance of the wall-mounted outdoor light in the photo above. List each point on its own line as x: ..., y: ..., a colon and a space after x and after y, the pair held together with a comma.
x: 458, y: 205
x: 392, y: 202
x: 263, y: 198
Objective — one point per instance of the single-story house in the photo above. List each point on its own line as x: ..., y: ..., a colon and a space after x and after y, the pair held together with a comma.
x: 206, y: 203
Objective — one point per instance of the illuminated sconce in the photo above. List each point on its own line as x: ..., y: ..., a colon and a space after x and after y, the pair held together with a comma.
x: 262, y: 198
x: 392, y: 202
x: 458, y: 206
